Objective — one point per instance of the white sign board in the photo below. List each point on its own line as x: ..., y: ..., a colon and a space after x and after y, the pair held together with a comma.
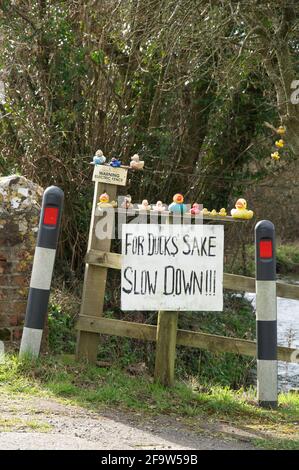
x: 110, y: 175
x: 172, y: 267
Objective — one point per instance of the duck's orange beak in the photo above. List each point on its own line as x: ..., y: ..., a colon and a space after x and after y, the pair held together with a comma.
x: 104, y: 198
x: 179, y: 198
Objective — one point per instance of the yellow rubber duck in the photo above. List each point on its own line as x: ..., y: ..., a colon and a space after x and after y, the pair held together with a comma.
x: 275, y: 156
x: 241, y: 211
x: 222, y: 212
x: 214, y: 212
x: 279, y: 143
x: 205, y: 211
x: 281, y: 130
x: 104, y: 201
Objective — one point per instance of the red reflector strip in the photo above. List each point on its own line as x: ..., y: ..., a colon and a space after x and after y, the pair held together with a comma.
x: 50, y: 216
x: 266, y: 249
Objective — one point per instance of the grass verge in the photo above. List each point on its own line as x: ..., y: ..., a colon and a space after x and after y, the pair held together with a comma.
x: 97, y: 388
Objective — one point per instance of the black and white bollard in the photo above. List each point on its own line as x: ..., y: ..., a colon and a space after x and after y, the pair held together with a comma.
x: 42, y: 270
x: 266, y: 314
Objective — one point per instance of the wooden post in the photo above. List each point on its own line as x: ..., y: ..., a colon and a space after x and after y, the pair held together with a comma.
x: 94, y: 280
x: 166, y: 348
x: 166, y: 343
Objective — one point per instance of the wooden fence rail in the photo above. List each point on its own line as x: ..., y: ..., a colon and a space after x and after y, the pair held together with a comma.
x: 218, y: 344
x: 193, y: 339
x: 230, y: 281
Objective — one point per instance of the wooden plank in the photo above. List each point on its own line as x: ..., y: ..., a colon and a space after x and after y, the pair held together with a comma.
x: 240, y: 283
x: 94, y: 281
x: 166, y: 348
x: 217, y: 218
x: 108, y: 326
x: 102, y: 258
x: 288, y: 291
x: 193, y: 339
x: 230, y: 281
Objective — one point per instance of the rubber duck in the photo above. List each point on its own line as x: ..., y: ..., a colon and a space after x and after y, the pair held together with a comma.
x: 115, y: 162
x: 281, y: 130
x: 159, y: 207
x: 195, y: 209
x: 99, y: 158
x: 241, y: 211
x: 279, y: 143
x: 144, y: 206
x: 178, y: 206
x: 205, y: 211
x: 104, y: 201
x: 136, y: 163
x: 222, y: 212
x: 275, y: 156
x: 127, y: 202
x: 214, y: 212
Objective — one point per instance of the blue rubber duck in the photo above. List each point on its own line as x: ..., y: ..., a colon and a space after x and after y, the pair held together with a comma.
x: 99, y: 158
x: 115, y: 162
x: 178, y: 206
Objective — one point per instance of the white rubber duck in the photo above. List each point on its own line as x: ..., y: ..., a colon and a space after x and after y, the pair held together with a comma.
x: 136, y: 163
x: 99, y: 158
x: 127, y: 203
x: 144, y: 206
x: 159, y: 207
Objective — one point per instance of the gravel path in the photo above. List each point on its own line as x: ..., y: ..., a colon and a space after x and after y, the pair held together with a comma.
x: 35, y: 423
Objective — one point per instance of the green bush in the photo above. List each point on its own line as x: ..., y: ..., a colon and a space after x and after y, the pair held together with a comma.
x: 287, y: 257
x: 62, y: 335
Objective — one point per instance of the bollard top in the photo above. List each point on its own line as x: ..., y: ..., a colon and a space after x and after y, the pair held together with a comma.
x: 265, y: 228
x: 50, y: 218
x: 53, y: 195
x: 265, y: 257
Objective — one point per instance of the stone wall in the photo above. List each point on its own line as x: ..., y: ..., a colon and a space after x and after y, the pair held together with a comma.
x: 19, y: 216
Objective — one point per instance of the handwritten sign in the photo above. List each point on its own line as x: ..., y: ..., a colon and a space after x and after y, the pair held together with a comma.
x: 172, y: 267
x: 110, y: 175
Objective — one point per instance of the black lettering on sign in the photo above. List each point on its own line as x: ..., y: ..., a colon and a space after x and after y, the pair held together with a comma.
x: 140, y: 282
x: 136, y: 244
x: 187, y: 284
x: 203, y: 249
x: 168, y: 273
x: 177, y: 282
x: 187, y: 250
x: 127, y: 242
x: 198, y: 283
x: 126, y: 274
x: 211, y: 246
x: 162, y: 245
x: 214, y: 282
x: 199, y: 246
x: 207, y: 281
